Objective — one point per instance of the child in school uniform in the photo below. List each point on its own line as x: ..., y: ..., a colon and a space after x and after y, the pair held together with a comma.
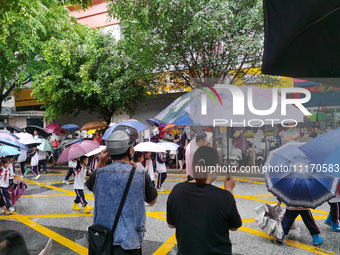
x: 72, y: 164
x: 34, y: 154
x: 161, y: 169
x: 11, y: 169
x: 22, y: 162
x: 93, y: 164
x: 80, y: 173
x: 4, y: 183
x: 149, y: 167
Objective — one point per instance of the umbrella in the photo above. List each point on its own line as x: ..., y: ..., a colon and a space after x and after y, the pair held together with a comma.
x: 318, y: 149
x: 14, y: 128
x: 4, y: 125
x: 9, y: 133
x: 6, y: 150
x: 42, y: 132
x: 9, y: 140
x: 76, y: 150
x: 269, y: 219
x: 152, y: 122
x: 321, y: 116
x: 45, y: 145
x: 333, y: 163
x: 29, y: 141
x: 16, y: 190
x: 149, y: 147
x: 291, y: 178
x: 70, y: 127
x: 94, y: 125
x: 54, y: 128
x: 53, y: 125
x: 138, y: 126
x: 24, y: 136
x: 168, y: 146
x: 302, y: 39
x: 92, y: 131
x: 96, y: 151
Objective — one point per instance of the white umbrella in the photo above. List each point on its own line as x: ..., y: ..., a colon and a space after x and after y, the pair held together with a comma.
x: 168, y: 146
x: 29, y: 141
x: 95, y: 151
x: 24, y: 136
x: 149, y: 147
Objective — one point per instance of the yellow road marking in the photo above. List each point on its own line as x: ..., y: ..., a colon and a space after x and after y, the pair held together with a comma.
x: 157, y: 215
x: 58, y: 189
x: 55, y: 236
x: 289, y: 242
x: 167, y: 246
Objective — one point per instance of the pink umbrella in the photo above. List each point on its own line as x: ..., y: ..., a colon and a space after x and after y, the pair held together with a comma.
x: 76, y: 150
x: 55, y: 129
x: 16, y: 190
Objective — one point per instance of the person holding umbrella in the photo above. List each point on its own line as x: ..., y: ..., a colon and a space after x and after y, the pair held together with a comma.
x: 34, y: 154
x: 182, y: 140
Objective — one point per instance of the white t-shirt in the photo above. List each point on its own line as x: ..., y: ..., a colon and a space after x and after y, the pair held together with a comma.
x: 23, y: 156
x: 79, y: 177
x: 35, y: 159
x: 4, y: 177
x: 161, y: 167
x: 72, y: 164
x: 149, y: 169
x: 140, y: 166
x: 42, y: 155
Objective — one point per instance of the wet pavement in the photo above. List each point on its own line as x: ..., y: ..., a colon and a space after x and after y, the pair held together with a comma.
x: 45, y: 211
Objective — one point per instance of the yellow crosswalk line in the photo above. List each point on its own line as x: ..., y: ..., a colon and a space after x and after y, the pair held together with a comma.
x: 49, y: 233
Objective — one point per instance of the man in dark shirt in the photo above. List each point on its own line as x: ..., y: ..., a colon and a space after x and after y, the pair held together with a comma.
x: 202, y: 213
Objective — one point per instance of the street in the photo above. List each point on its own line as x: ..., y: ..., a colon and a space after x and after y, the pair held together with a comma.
x: 45, y: 210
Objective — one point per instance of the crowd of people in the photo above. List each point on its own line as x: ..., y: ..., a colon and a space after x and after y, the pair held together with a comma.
x: 188, y: 203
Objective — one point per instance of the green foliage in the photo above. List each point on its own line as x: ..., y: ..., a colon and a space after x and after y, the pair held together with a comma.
x: 193, y: 39
x: 25, y: 28
x: 92, y: 74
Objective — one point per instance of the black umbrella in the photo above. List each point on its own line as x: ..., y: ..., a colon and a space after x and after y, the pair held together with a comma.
x: 302, y: 40
x: 4, y: 125
x: 14, y: 128
x: 42, y: 132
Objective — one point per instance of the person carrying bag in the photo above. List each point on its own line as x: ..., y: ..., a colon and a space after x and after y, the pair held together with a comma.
x: 100, y: 237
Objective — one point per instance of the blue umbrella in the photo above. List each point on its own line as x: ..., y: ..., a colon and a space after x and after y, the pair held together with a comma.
x: 333, y: 163
x: 152, y: 122
x: 9, y: 133
x: 70, y: 127
x: 131, y: 123
x: 318, y: 149
x: 6, y: 150
x: 291, y: 178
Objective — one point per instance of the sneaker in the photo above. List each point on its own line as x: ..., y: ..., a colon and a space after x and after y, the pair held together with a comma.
x: 328, y: 220
x: 317, y: 239
x: 66, y: 182
x: 335, y: 226
x: 10, y: 210
x: 160, y: 189
x: 34, y: 178
x: 2, y: 210
x: 37, y: 177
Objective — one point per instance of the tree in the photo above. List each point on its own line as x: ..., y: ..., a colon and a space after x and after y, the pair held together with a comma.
x: 206, y: 40
x: 92, y: 75
x: 25, y: 28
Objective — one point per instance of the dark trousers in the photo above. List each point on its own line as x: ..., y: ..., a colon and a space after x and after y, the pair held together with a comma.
x: 35, y: 170
x: 5, y: 199
x: 334, y: 211
x: 307, y: 217
x: 118, y: 250
x: 69, y: 173
x: 43, y: 164
x: 161, y: 179
x: 22, y: 167
x: 80, y: 198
